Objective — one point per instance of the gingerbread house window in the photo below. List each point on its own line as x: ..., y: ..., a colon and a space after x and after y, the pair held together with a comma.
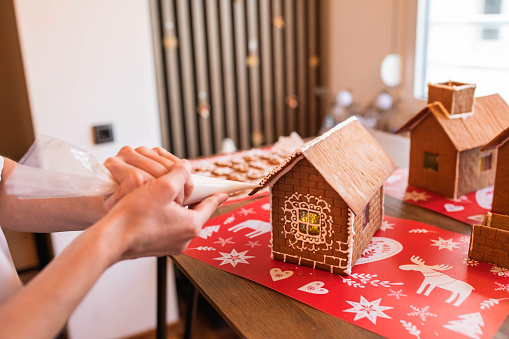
x: 309, y: 222
x: 485, y: 162
x: 366, y: 215
x: 431, y: 161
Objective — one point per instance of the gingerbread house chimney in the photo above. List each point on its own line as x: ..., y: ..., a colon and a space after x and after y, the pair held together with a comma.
x: 456, y: 97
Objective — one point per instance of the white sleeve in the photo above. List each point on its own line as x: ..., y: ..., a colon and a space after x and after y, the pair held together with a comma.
x: 1, y: 166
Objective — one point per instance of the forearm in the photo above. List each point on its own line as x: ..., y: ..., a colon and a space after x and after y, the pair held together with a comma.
x: 41, y: 308
x: 46, y: 215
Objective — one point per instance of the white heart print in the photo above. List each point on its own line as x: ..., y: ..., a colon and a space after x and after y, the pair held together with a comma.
x: 453, y: 208
x: 315, y: 287
x: 277, y: 274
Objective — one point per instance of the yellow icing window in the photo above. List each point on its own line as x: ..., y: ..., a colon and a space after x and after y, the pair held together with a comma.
x: 485, y: 162
x: 431, y: 161
x: 309, y: 222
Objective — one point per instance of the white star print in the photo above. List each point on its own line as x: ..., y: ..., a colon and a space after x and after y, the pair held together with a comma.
x: 447, y: 244
x: 368, y: 309
x: 416, y: 196
x: 234, y: 258
x: 245, y: 212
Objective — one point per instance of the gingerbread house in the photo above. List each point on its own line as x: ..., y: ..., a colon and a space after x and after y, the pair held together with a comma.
x: 447, y: 136
x: 489, y: 242
x: 501, y: 190
x: 327, y: 199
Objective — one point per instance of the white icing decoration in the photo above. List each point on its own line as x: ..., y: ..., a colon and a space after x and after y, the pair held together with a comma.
x: 291, y: 217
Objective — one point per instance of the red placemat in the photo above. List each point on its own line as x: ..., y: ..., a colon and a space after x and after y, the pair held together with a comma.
x: 413, y: 280
x: 469, y: 208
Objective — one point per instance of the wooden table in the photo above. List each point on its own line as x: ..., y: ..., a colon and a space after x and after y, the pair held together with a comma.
x: 255, y: 311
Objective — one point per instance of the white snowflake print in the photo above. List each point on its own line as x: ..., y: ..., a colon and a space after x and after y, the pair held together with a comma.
x: 445, y: 244
x: 422, y: 313
x: 230, y: 219
x: 245, y: 212
x: 386, y: 226
x: 252, y: 244
x: 502, y: 287
x: 397, y: 294
x: 234, y: 258
x: 266, y: 207
x: 368, y: 309
x: 224, y: 241
x: 470, y: 262
x: 416, y: 196
x: 500, y: 271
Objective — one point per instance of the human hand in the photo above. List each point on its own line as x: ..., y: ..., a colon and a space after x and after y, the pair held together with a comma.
x: 132, y: 168
x: 150, y: 221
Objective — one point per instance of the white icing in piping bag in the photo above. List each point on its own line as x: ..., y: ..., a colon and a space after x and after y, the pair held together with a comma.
x: 206, y: 186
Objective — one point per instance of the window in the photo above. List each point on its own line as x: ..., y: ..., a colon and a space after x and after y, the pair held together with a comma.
x: 485, y: 162
x: 431, y: 161
x: 309, y: 222
x: 366, y: 215
x: 465, y: 41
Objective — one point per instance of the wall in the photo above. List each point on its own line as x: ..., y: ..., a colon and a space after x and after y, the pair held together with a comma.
x: 70, y: 65
x: 357, y: 37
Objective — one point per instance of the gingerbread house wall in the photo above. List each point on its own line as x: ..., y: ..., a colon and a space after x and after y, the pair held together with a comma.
x: 365, y: 233
x: 489, y: 242
x: 304, y: 179
x: 429, y: 136
x: 470, y: 178
x: 501, y: 191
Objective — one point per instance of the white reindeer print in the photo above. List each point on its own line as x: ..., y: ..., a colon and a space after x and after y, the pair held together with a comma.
x: 259, y: 227
x: 440, y: 280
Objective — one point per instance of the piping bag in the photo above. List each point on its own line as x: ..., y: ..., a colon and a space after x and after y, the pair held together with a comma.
x: 53, y: 168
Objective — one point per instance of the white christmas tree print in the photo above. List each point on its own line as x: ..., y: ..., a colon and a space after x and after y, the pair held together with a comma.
x: 252, y: 244
x: 469, y: 325
x: 234, y: 258
x: 208, y: 231
x: 421, y: 230
x: 224, y: 241
x: 397, y: 294
x: 368, y: 309
x: 422, y: 313
x: 416, y: 196
x: 386, y: 226
x: 500, y: 271
x: 245, y: 212
x: 445, y: 244
x: 230, y: 219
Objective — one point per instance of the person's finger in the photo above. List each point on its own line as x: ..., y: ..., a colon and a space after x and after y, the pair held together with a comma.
x: 171, y: 185
x: 207, y: 206
x: 157, y: 157
x: 120, y: 170
x: 165, y: 154
x: 134, y: 158
x: 133, y: 181
x: 189, y: 185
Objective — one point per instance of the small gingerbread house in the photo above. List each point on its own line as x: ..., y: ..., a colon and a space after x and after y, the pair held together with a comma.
x: 327, y: 199
x: 447, y: 136
x: 501, y: 190
x: 489, y: 242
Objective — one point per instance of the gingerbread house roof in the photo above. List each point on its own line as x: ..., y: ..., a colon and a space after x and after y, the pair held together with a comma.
x: 348, y: 158
x: 490, y: 118
x: 497, y: 141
